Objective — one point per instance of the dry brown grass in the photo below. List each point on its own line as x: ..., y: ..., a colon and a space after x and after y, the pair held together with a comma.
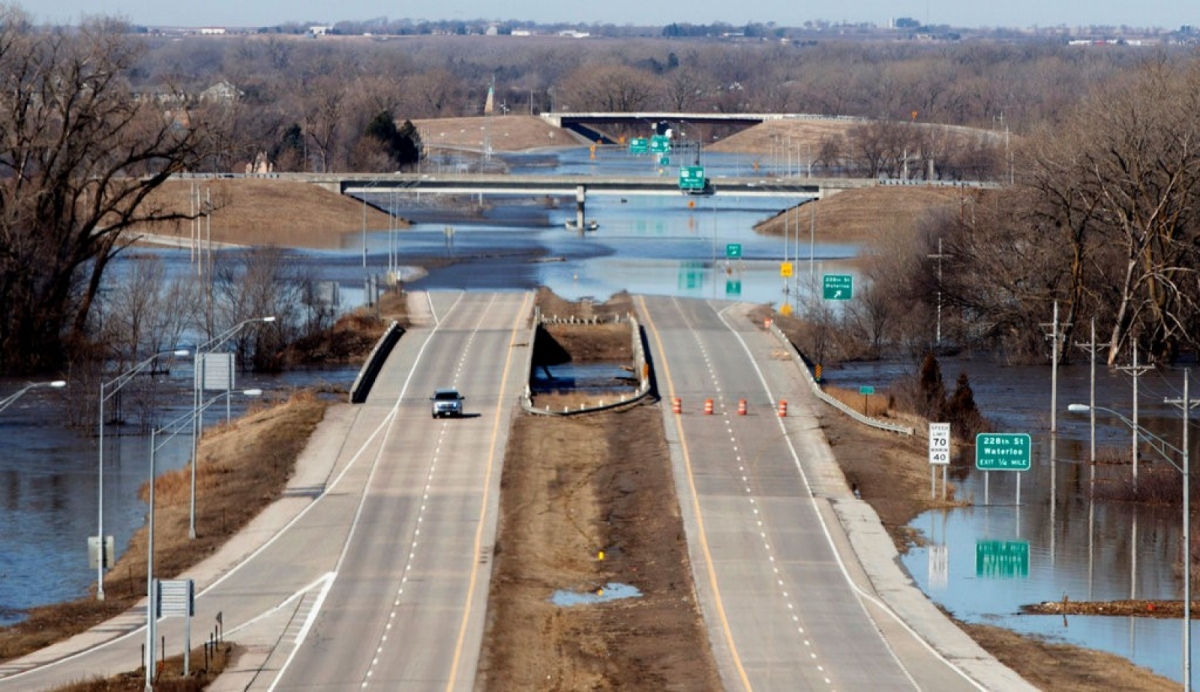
x: 874, y: 405
x: 779, y: 135
x: 803, y: 137
x: 855, y: 215
x: 252, y: 211
x: 169, y: 676
x: 505, y: 133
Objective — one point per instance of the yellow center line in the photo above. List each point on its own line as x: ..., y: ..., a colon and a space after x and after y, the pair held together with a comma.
x: 702, y: 537
x: 462, y: 630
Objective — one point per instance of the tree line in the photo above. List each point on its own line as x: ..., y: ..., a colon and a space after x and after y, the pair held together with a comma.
x: 1100, y: 218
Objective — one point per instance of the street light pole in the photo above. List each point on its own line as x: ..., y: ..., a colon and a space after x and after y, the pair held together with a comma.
x: 108, y: 390
x: 1186, y: 404
x: 197, y: 410
x: 8, y: 400
x: 173, y: 428
x: 1162, y: 447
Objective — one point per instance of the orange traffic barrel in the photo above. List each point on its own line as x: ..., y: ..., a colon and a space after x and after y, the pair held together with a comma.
x: 783, y: 408
x: 741, y: 407
x: 708, y: 407
x: 677, y: 405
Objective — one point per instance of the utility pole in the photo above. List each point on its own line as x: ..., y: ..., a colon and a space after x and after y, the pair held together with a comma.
x: 1187, y: 404
x: 1056, y: 338
x: 1137, y: 371
x: 939, y: 257
x: 1091, y: 349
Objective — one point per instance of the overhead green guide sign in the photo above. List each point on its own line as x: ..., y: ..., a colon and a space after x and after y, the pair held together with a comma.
x: 1002, y: 452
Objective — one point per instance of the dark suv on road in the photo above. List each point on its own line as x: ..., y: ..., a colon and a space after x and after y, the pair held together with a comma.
x: 446, y: 402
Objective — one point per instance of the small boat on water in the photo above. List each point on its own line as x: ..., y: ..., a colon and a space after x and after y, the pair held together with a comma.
x: 587, y: 225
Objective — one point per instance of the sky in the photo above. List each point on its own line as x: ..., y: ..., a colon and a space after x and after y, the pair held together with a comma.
x: 1167, y: 14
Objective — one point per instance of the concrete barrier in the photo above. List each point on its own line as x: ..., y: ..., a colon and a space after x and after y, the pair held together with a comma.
x: 640, y: 367
x: 370, y: 369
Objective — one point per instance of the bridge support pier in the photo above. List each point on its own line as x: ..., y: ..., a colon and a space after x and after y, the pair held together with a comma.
x: 580, y: 197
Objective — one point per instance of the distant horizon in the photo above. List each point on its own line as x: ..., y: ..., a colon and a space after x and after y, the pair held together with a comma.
x: 1166, y: 15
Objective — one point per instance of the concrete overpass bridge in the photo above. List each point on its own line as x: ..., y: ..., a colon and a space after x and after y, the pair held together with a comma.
x: 591, y: 125
x: 577, y: 186
x: 570, y: 185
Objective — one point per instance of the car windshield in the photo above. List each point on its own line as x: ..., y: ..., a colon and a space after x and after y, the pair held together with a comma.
x: 446, y: 395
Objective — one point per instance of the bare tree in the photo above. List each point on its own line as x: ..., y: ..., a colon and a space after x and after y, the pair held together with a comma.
x: 77, y: 160
x: 611, y: 88
x: 1126, y: 174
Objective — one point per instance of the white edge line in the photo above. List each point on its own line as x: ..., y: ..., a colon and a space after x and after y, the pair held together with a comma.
x: 829, y: 537
x: 308, y: 622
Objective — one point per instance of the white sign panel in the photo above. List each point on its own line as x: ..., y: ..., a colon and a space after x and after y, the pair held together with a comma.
x: 176, y: 597
x: 216, y: 370
x: 939, y: 444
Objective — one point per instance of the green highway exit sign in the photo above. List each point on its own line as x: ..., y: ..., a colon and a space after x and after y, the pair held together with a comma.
x: 1002, y: 452
x: 837, y: 286
x: 733, y: 250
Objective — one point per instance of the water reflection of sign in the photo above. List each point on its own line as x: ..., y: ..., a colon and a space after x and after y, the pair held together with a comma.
x: 691, y: 275
x: 1002, y: 559
x: 939, y: 566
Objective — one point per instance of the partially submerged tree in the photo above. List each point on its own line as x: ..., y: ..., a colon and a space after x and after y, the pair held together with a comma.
x: 78, y: 157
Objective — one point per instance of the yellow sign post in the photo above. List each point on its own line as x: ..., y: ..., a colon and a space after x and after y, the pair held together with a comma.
x: 785, y: 269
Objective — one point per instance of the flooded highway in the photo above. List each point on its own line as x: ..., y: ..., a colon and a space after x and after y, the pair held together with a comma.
x: 1064, y: 542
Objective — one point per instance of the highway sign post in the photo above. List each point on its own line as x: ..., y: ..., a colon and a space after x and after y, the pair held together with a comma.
x: 837, y: 286
x: 939, y: 455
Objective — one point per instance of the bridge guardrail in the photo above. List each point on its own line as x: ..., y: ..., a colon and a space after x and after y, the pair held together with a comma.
x: 639, y: 364
x: 374, y: 363
x: 820, y: 393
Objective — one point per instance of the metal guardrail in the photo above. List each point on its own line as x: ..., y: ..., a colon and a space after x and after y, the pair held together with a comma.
x: 820, y: 393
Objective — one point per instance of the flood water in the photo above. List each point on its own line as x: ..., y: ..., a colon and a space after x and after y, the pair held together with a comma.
x: 983, y: 562
x: 975, y: 564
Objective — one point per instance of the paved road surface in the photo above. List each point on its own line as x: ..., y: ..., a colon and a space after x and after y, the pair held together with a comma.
x: 787, y: 603
x: 372, y: 572
x: 381, y: 581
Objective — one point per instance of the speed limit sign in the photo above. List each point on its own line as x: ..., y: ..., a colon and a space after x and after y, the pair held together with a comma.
x: 939, y: 444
